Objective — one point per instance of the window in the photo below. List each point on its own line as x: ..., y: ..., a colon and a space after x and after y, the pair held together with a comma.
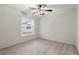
x: 27, y: 26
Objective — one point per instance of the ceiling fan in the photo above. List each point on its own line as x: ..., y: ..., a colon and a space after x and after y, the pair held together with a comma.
x: 41, y: 9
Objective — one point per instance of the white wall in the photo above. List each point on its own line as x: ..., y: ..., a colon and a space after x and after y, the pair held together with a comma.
x: 59, y: 26
x: 10, y: 27
x: 77, y: 41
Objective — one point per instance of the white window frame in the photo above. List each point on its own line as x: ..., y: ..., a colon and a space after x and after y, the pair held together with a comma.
x: 25, y: 29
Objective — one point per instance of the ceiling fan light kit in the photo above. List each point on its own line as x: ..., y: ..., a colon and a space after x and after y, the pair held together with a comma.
x: 41, y: 9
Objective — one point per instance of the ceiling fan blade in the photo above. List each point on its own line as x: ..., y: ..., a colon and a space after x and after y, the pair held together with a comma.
x: 34, y: 12
x: 49, y: 10
x: 39, y: 6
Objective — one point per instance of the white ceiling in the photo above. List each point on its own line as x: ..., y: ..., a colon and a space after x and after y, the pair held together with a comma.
x: 58, y: 6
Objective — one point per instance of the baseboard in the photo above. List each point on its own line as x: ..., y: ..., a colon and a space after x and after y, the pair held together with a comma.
x: 58, y: 41
x: 20, y: 42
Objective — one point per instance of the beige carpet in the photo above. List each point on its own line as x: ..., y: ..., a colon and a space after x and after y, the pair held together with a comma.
x: 40, y: 47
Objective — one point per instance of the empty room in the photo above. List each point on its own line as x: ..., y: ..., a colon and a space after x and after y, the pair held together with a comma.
x: 39, y: 29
